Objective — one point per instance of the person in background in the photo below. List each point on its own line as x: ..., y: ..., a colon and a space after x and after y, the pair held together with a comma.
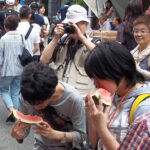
x: 38, y: 19
x: 11, y: 45
x: 67, y: 51
x: 141, y: 54
x: 104, y: 23
x: 62, y: 11
x: 45, y: 33
x: 17, y: 5
x: 9, y: 10
x: 52, y: 27
x: 148, y: 11
x: 115, y: 71
x: 125, y: 32
x: 116, y: 22
x: 2, y: 5
x: 64, y: 127
x: 32, y: 43
x: 109, y: 11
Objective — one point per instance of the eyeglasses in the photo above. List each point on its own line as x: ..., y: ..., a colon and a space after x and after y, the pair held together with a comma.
x: 142, y: 32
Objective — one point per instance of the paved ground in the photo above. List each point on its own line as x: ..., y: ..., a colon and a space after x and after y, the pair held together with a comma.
x: 6, y: 141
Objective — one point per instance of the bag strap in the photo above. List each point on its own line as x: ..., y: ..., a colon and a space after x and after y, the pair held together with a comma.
x: 29, y: 31
x: 22, y: 39
x: 136, y: 102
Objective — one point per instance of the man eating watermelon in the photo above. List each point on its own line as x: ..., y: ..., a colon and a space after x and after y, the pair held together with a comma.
x: 58, y: 103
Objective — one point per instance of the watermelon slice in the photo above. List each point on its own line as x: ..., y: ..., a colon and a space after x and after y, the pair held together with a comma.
x: 27, y: 118
x: 102, y: 94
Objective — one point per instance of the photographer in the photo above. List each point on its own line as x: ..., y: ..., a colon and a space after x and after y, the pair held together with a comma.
x: 69, y: 48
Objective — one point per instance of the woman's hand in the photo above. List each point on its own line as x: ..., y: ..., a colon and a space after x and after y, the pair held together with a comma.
x: 97, y: 113
x: 18, y: 129
x: 78, y: 33
x: 58, y: 31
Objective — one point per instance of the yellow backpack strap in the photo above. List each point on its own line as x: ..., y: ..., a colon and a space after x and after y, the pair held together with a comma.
x: 136, y: 102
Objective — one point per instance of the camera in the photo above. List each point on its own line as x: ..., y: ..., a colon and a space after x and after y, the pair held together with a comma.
x: 69, y: 29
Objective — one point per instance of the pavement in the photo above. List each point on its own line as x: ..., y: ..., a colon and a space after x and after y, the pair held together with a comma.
x: 6, y: 141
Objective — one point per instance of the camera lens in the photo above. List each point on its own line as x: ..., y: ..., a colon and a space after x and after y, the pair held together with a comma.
x: 69, y: 29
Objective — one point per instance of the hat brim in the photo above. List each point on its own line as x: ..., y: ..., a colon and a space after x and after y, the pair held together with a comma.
x: 76, y: 20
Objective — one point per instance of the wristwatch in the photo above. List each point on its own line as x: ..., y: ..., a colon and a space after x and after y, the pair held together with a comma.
x: 64, y: 139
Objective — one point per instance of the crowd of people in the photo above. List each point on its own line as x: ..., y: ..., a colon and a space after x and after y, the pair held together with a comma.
x: 67, y: 66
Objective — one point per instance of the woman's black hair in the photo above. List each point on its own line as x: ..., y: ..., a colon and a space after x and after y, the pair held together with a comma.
x: 40, y: 6
x: 112, y: 61
x: 132, y: 11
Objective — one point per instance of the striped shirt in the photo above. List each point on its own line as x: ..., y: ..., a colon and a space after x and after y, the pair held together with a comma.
x: 10, y: 47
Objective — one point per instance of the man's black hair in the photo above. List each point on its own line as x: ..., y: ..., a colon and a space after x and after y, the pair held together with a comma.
x: 25, y: 11
x: 11, y: 22
x: 34, y: 6
x: 112, y: 61
x: 67, y: 3
x: 38, y: 82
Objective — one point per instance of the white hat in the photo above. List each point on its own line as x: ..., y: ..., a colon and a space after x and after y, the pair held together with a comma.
x: 10, y: 2
x: 76, y: 13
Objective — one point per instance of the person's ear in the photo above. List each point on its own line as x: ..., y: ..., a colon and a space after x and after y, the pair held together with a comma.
x: 19, y: 16
x: 30, y: 16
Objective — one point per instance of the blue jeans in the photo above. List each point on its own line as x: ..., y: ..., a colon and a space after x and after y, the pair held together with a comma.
x: 10, y: 88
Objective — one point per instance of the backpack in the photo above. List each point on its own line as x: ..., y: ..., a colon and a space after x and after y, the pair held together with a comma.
x: 136, y: 102
x: 3, y: 15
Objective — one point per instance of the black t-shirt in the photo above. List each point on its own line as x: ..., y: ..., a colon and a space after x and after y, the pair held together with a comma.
x: 39, y: 20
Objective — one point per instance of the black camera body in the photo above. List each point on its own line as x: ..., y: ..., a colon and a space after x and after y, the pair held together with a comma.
x: 69, y: 29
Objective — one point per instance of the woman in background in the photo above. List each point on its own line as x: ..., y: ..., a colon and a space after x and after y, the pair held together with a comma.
x: 45, y: 32
x: 141, y: 54
x: 125, y: 36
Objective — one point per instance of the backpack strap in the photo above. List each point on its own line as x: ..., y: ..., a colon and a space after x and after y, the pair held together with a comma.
x: 136, y: 102
x: 29, y: 31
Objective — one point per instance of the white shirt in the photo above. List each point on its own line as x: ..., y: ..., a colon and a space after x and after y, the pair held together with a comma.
x: 17, y: 8
x: 34, y: 37
x: 105, y: 26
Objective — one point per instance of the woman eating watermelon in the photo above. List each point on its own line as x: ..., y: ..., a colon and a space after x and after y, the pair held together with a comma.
x: 113, y: 68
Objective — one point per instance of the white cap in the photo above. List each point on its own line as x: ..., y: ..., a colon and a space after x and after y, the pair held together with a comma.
x: 10, y: 2
x: 76, y: 13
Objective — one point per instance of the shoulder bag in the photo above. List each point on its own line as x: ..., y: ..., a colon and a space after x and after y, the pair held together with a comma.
x: 26, y: 57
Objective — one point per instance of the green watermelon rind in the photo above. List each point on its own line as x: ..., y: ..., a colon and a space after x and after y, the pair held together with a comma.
x: 25, y: 120
x: 96, y: 99
x: 106, y: 104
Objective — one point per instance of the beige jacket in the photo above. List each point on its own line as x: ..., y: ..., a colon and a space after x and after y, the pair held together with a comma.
x: 75, y: 74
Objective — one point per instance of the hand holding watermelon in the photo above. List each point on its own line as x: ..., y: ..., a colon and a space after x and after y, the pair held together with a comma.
x: 18, y: 129
x: 44, y: 129
x: 103, y: 95
x: 96, y: 111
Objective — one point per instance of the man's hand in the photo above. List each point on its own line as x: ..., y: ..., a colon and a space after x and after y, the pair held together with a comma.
x: 45, y: 130
x: 18, y: 129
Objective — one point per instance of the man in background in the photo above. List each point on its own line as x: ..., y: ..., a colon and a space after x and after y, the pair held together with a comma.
x: 8, y: 11
x: 62, y: 11
x: 17, y: 5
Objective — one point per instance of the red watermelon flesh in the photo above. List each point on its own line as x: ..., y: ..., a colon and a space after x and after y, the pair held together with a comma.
x: 102, y: 94
x: 27, y: 118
